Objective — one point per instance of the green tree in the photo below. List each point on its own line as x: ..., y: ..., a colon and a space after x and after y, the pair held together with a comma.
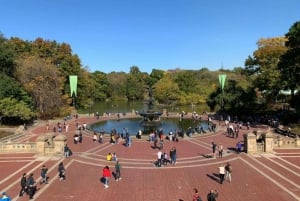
x: 134, y: 84
x: 10, y: 88
x: 12, y: 110
x: 7, y: 57
x: 289, y: 65
x: 167, y: 92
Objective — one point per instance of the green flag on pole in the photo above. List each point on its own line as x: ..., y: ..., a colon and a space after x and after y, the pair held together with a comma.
x: 222, y: 79
x: 73, y: 84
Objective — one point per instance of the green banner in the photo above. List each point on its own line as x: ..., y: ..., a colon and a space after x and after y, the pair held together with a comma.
x: 73, y: 84
x: 222, y: 79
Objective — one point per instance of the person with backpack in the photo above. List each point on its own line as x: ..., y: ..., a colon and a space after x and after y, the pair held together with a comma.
x: 196, y: 196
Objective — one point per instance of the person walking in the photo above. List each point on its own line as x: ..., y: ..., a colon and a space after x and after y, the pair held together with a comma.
x: 228, y: 171
x: 44, y: 171
x: 61, y: 172
x: 31, y: 185
x: 118, y: 171
x: 23, y: 185
x: 222, y: 173
x: 212, y: 195
x: 106, y: 174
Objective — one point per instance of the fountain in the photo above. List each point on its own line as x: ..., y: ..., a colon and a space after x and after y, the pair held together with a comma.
x: 150, y: 114
x: 151, y: 121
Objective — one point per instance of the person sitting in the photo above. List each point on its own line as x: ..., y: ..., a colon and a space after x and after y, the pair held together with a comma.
x: 165, y: 158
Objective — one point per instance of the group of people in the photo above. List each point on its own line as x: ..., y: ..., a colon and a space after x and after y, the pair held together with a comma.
x: 163, y: 158
x: 217, y: 148
x: 111, y: 157
x: 29, y: 184
x: 106, y: 174
x: 225, y: 172
x: 211, y: 196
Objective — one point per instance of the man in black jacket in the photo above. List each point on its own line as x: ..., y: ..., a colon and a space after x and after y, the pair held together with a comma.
x: 23, y: 185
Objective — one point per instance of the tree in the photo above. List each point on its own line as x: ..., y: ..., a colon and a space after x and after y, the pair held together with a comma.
x: 10, y: 88
x: 289, y: 65
x: 7, y: 57
x: 263, y: 65
x: 135, y: 84
x: 117, y: 82
x: 12, y: 110
x: 167, y: 92
x: 42, y: 80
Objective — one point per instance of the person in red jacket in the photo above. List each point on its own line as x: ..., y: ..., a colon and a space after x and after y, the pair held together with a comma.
x: 106, y: 174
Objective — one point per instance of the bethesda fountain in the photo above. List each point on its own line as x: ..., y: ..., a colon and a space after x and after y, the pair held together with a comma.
x: 150, y: 114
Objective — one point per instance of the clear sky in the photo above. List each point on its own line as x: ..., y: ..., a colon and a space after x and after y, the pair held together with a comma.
x: 113, y: 35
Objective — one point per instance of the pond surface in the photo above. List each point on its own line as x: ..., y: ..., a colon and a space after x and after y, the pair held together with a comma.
x: 133, y: 125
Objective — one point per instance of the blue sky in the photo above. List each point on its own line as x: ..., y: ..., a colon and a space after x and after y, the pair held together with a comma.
x: 114, y: 35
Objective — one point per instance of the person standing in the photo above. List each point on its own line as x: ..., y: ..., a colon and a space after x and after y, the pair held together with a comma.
x: 214, y: 149
x: 220, y: 149
x: 44, y: 171
x: 106, y: 174
x: 23, y: 185
x: 173, y: 155
x: 221, y: 173
x: 228, y: 171
x: 66, y: 151
x: 118, y: 171
x: 212, y: 195
x: 61, y: 171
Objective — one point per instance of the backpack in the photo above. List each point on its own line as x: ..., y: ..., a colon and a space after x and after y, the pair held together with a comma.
x: 199, y: 198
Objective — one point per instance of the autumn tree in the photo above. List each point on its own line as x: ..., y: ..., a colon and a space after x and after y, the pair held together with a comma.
x: 42, y: 80
x: 263, y: 65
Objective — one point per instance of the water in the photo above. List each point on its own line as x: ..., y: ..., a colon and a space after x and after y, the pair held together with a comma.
x: 133, y: 125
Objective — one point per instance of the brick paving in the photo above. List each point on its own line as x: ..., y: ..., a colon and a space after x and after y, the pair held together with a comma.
x: 268, y: 177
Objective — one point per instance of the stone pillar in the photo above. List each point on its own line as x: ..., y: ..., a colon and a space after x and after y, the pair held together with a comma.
x: 269, y: 142
x: 40, y: 145
x: 250, y: 143
x: 59, y: 144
